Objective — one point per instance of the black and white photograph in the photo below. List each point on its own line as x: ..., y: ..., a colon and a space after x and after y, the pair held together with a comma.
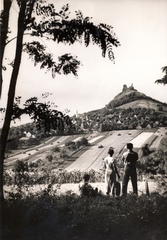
x: 83, y: 120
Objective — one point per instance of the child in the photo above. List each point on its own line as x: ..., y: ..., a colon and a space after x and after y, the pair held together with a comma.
x: 86, y: 189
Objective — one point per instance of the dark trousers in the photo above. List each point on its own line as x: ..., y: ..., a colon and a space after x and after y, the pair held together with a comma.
x: 130, y: 172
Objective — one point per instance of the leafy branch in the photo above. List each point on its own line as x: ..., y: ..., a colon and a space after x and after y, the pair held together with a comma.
x: 164, y: 79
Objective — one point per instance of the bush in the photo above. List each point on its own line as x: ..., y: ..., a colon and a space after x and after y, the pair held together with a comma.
x: 63, y: 154
x: 49, y: 158
x: 56, y: 149
x: 84, y: 142
x: 44, y: 176
x: 70, y: 145
x: 156, y: 163
x: 21, y: 166
x: 34, y: 164
x: 47, y: 216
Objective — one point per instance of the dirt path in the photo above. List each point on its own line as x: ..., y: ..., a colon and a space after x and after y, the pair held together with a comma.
x: 74, y: 188
x: 153, y: 187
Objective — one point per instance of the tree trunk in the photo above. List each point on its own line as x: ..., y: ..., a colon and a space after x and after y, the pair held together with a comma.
x: 11, y: 94
x: 4, y: 31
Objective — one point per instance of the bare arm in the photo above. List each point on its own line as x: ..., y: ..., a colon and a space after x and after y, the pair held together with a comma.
x: 116, y: 169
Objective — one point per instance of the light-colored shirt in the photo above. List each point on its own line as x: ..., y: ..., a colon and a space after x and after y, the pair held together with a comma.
x: 109, y: 163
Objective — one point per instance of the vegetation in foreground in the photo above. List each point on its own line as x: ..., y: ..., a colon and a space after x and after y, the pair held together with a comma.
x: 48, y: 216
x: 28, y: 174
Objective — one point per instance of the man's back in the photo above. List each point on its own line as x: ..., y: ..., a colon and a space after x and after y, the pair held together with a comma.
x: 130, y: 158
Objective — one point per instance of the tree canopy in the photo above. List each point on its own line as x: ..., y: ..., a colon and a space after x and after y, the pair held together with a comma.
x: 39, y: 19
x: 164, y: 79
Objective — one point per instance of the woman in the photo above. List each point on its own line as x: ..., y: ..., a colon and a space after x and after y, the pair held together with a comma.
x: 110, y: 171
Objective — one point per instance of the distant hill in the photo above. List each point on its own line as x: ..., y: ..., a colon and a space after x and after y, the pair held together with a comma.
x: 130, y: 109
x: 131, y: 98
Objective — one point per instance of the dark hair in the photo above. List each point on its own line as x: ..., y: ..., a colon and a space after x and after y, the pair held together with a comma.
x: 86, y: 177
x: 110, y: 151
x: 129, y: 145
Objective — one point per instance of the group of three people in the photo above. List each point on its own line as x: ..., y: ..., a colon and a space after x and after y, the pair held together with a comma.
x: 129, y: 159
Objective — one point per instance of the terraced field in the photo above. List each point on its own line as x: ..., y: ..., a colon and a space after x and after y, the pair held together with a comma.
x: 91, y: 158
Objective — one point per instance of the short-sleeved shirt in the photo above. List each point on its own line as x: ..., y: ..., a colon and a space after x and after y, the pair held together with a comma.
x: 130, y: 158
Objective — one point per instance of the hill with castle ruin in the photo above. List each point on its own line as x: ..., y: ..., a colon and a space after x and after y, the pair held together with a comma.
x: 131, y: 98
x: 130, y: 109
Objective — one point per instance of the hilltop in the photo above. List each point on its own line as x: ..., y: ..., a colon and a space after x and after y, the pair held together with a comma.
x: 130, y: 109
x: 130, y: 97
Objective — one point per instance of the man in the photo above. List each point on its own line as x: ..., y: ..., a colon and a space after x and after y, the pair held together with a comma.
x: 130, y: 160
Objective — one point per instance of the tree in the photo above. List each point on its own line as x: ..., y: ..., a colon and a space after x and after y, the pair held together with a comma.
x: 164, y: 79
x: 44, y: 115
x: 56, y: 26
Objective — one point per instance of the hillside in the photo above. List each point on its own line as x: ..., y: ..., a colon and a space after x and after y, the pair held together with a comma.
x: 130, y: 97
x: 145, y: 103
x: 130, y: 109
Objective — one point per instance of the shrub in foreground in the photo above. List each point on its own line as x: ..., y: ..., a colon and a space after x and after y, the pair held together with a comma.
x: 31, y: 177
x: 47, y: 216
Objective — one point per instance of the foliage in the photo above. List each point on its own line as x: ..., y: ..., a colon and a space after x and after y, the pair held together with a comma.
x: 156, y: 163
x: 49, y: 157
x: 42, y: 20
x: 12, y: 143
x: 56, y: 149
x: 67, y: 63
x: 76, y: 145
x: 20, y: 166
x: 164, y: 79
x: 84, y: 142
x: 49, y: 216
x: 151, y: 166
x: 54, y: 24
x: 122, y: 113
x: 63, y: 153
x: 132, y: 96
x: 120, y: 119
x: 47, y: 176
x: 44, y: 115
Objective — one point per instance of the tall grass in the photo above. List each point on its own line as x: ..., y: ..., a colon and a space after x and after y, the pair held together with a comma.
x: 47, y: 216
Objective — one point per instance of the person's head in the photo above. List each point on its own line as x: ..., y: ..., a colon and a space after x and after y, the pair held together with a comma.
x: 111, y: 151
x: 129, y: 146
x: 86, y: 177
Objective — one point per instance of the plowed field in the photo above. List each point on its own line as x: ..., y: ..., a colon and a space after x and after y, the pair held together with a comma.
x: 91, y: 158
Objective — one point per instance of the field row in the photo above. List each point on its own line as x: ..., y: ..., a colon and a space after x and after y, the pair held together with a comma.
x: 100, y: 143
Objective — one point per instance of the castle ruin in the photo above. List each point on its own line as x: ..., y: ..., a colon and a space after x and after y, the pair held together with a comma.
x: 125, y: 88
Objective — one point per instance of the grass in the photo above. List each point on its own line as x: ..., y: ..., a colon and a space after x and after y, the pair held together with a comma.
x: 47, y: 216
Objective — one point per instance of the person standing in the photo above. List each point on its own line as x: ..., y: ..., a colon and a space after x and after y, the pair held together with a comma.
x: 110, y: 171
x: 130, y: 159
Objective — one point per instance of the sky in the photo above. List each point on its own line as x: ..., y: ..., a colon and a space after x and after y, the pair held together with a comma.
x: 140, y: 26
